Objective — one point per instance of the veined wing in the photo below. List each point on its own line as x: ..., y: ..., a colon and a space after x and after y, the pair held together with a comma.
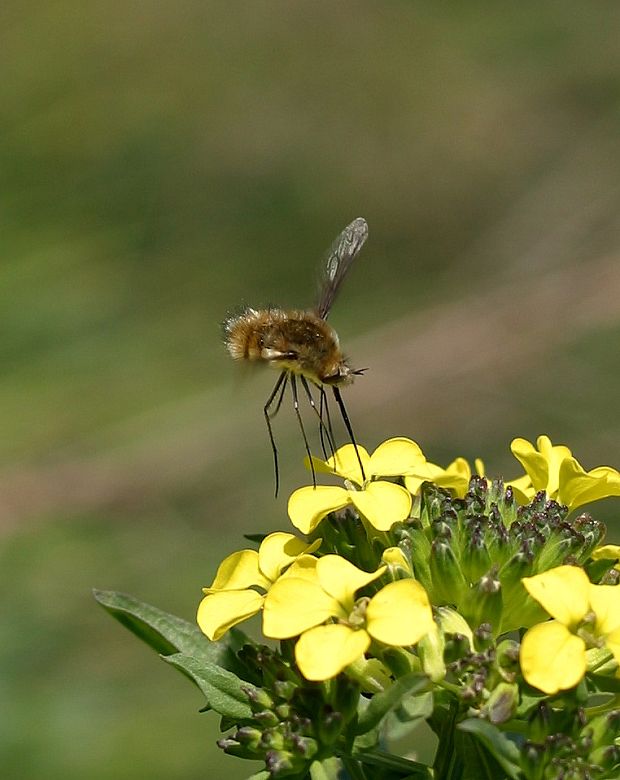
x: 339, y: 258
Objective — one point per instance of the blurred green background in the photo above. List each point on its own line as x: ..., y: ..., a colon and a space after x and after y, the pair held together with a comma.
x: 163, y: 163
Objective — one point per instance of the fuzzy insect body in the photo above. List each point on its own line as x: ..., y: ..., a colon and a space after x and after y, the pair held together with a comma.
x: 297, y: 341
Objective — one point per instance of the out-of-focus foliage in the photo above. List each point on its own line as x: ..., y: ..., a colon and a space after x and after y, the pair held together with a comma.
x: 163, y: 163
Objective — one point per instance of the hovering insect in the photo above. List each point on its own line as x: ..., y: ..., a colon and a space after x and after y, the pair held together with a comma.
x: 300, y: 343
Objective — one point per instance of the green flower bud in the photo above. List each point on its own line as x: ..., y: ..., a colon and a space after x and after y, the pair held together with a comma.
x: 272, y: 738
x: 346, y: 695
x: 448, y: 583
x: 329, y: 725
x: 508, y: 654
x: 258, y: 697
x: 266, y: 718
x: 279, y: 763
x: 532, y: 760
x: 502, y: 703
x: 539, y: 722
x: 603, y: 729
x: 248, y: 735
x: 606, y: 758
x: 485, y: 602
x: 475, y: 559
x: 284, y: 689
x: 304, y: 747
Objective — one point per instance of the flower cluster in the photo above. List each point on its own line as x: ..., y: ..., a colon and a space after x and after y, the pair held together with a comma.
x: 412, y: 592
x: 409, y: 571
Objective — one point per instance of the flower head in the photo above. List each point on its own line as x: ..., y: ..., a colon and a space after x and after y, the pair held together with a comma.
x: 335, y: 629
x: 382, y: 503
x: 553, y: 654
x: 552, y: 467
x: 234, y: 595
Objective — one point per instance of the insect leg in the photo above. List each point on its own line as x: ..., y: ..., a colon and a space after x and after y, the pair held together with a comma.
x: 322, y: 429
x: 323, y: 403
x: 347, y: 424
x: 280, y: 386
x: 301, y: 425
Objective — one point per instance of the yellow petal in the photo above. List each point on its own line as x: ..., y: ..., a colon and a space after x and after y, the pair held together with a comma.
x: 613, y: 644
x: 532, y: 461
x: 220, y: 611
x: 303, y: 567
x: 455, y: 477
x: 395, y: 457
x: 607, y: 552
x: 396, y: 560
x: 563, y: 592
x: 382, y: 503
x: 552, y: 659
x: 522, y: 489
x: 344, y: 463
x: 400, y: 613
x: 277, y: 551
x: 413, y: 484
x: 307, y: 506
x: 555, y: 454
x: 295, y: 604
x: 605, y: 603
x: 341, y: 579
x: 480, y: 467
x: 324, y: 651
x: 238, y: 571
x: 578, y: 487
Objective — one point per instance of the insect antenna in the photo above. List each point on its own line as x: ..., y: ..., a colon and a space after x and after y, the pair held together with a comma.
x: 280, y: 387
x: 347, y: 424
x: 323, y: 430
x: 301, y: 425
x: 324, y: 405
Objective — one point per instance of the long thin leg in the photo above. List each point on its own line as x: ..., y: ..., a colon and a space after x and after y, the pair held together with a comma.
x: 323, y: 403
x: 278, y: 402
x: 347, y: 424
x: 301, y: 425
x: 280, y: 386
x: 322, y: 429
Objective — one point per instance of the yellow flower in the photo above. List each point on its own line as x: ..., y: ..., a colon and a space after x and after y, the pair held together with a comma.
x: 553, y: 654
x: 336, y: 629
x: 381, y: 503
x: 232, y: 596
x: 455, y: 476
x: 554, y: 469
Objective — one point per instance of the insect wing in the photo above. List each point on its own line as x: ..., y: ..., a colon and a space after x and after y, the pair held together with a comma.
x: 341, y: 254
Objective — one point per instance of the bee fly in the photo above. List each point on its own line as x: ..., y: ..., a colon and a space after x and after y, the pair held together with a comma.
x: 300, y: 343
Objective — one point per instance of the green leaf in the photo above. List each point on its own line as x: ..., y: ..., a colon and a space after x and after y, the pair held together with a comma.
x: 605, y: 683
x: 408, y: 714
x: 388, y: 765
x: 384, y: 702
x: 262, y: 775
x: 223, y: 689
x: 499, y: 747
x: 168, y: 634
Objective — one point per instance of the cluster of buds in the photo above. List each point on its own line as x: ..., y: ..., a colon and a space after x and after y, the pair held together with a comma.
x: 566, y: 744
x: 472, y: 552
x: 294, y: 721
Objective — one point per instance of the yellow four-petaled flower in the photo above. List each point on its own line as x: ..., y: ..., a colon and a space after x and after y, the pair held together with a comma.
x: 235, y: 593
x: 553, y: 654
x: 334, y: 628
